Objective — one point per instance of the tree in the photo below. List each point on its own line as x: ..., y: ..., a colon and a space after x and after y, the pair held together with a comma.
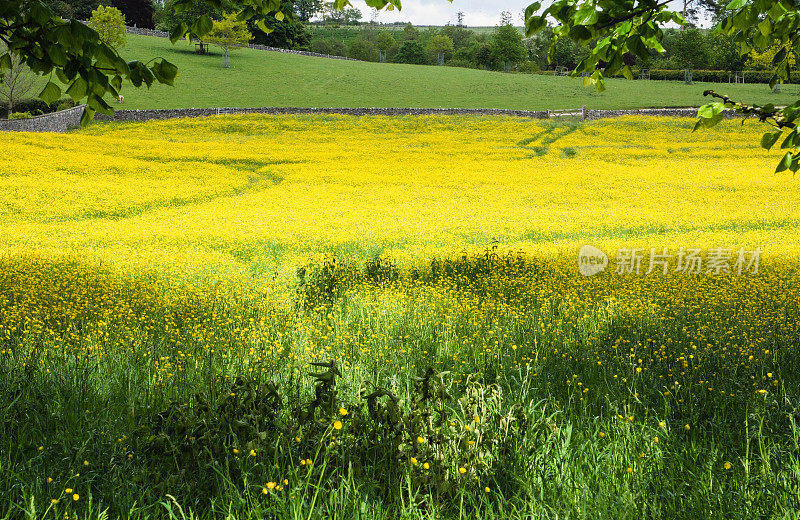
x: 461, y: 37
x: 411, y: 51
x: 334, y: 14
x: 507, y: 45
x: 385, y: 41
x: 166, y: 18
x: 690, y: 49
x: 72, y: 55
x: 109, y: 23
x: 73, y: 9
x: 484, y: 56
x: 137, y: 12
x: 15, y: 82
x: 352, y: 16
x: 287, y: 33
x: 724, y: 54
x: 228, y: 34
x: 307, y: 9
x: 440, y: 44
x: 329, y: 46
x: 362, y: 49
x: 410, y: 32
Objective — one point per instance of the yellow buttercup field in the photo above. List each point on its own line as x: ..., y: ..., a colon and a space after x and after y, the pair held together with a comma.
x: 175, y: 279
x: 226, y: 194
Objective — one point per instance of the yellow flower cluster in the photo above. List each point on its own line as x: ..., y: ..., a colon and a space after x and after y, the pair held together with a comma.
x: 231, y: 194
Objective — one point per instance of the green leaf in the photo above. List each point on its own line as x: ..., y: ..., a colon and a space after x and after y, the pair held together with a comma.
x: 790, y: 141
x: 202, y: 26
x: 5, y: 61
x: 50, y: 93
x: 710, y: 110
x: 586, y: 16
x: 62, y: 77
x: 165, y: 72
x: 88, y: 115
x: 64, y: 37
x: 279, y: 16
x: 736, y: 4
x: 601, y: 84
x: 177, y: 32
x: 765, y: 27
x: 785, y: 163
x: 626, y: 71
x: 795, y: 164
x: 531, y: 9
x: 182, y: 6
x: 769, y: 139
x: 57, y: 55
x: 262, y: 25
x: 40, y: 13
x: 779, y: 56
x: 77, y: 90
x: 99, y: 105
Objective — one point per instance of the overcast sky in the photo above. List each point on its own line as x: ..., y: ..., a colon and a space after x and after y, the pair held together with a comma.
x: 477, y: 13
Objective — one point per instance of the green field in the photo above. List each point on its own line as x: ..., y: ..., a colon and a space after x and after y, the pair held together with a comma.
x: 260, y: 78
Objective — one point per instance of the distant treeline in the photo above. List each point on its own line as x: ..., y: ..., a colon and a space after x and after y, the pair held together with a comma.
x: 503, y: 49
x: 342, y: 33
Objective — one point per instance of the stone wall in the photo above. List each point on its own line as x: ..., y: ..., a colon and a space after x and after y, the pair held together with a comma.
x: 146, y: 32
x: 71, y: 118
x: 663, y: 112
x: 146, y: 115
x: 53, y: 122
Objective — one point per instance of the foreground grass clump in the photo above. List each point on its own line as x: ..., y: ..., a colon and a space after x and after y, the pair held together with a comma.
x: 497, y: 385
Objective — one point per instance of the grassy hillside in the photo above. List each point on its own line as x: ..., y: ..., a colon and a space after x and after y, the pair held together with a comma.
x: 260, y: 78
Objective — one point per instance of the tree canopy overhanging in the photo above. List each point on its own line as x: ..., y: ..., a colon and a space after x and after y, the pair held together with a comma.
x: 74, y: 57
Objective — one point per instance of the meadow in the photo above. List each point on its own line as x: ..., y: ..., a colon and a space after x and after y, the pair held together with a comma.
x: 259, y: 78
x: 370, y: 317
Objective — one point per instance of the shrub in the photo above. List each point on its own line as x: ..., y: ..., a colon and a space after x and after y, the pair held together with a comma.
x: 688, y: 49
x: 330, y: 46
x: 455, y: 62
x: 37, y: 107
x: 528, y: 67
x: 64, y: 105
x: 34, y: 105
x: 362, y: 49
x: 411, y: 51
x: 109, y: 22
x: 20, y: 115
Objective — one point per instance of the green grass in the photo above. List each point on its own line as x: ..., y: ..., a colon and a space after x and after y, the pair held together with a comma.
x: 556, y: 437
x: 260, y: 78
